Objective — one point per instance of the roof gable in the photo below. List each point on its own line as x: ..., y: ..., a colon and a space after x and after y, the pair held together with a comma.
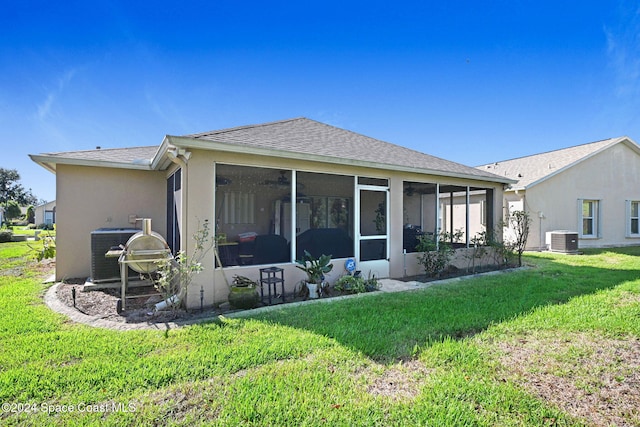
x: 534, y: 169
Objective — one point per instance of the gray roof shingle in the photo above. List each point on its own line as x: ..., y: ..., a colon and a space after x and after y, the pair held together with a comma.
x: 306, y: 136
x: 529, y: 170
x: 299, y: 135
x: 130, y: 155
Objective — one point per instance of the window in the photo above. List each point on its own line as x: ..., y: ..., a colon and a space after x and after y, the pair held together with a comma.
x: 250, y: 204
x: 589, y: 216
x: 380, y: 182
x: 48, y: 217
x: 633, y: 217
x: 324, y: 215
x: 269, y: 216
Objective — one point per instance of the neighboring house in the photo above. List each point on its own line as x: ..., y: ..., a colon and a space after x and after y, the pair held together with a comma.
x: 590, y: 189
x: 1, y: 215
x: 271, y: 191
x: 45, y: 213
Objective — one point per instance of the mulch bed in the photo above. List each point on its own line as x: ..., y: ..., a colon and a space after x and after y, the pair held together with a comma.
x: 103, y: 303
x: 452, y: 272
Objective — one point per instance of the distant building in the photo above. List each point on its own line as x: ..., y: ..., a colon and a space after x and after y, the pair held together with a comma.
x: 46, y: 213
x: 589, y: 189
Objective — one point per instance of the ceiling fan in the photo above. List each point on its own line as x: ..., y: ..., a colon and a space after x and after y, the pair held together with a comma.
x: 410, y: 190
x: 281, y: 182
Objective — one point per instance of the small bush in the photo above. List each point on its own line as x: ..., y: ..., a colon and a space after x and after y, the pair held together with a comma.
x: 356, y: 284
x: 45, y: 226
x: 5, y: 236
x: 350, y: 284
x: 436, y: 255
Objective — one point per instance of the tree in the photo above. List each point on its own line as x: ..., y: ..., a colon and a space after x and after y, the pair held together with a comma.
x: 519, y: 222
x: 12, y: 210
x: 11, y: 189
x: 31, y: 214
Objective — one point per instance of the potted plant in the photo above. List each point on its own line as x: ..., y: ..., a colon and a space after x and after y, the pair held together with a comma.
x: 243, y: 293
x: 315, y: 268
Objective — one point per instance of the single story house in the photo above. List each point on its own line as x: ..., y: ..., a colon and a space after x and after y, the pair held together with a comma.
x: 45, y: 213
x: 590, y: 189
x: 270, y: 191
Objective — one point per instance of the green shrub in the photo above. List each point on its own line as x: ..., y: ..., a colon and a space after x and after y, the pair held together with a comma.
x: 350, y: 284
x: 435, y: 256
x: 356, y: 284
x: 371, y: 283
x: 5, y: 236
x: 31, y: 214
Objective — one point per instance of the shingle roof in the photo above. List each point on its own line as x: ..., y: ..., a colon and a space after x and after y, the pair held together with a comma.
x: 136, y: 155
x: 529, y: 170
x: 306, y: 136
x: 300, y: 136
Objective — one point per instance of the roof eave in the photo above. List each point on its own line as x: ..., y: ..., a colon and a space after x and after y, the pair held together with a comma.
x: 186, y: 142
x: 51, y: 167
x: 160, y: 160
x: 50, y: 163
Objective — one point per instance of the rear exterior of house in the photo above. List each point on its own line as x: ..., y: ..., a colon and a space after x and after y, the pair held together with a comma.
x: 591, y: 189
x: 270, y: 192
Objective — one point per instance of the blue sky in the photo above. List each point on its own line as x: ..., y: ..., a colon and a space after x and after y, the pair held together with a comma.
x: 472, y: 82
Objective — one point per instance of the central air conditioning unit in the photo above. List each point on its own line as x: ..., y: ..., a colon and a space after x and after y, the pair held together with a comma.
x: 563, y: 241
x: 105, y: 269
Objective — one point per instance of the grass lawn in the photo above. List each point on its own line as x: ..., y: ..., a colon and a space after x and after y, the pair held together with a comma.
x: 26, y: 231
x: 556, y: 344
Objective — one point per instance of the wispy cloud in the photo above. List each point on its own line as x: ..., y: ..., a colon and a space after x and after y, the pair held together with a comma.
x: 623, y: 50
x: 167, y: 110
x: 44, y: 108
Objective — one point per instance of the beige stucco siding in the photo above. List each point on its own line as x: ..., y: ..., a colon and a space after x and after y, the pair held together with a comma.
x: 611, y: 177
x: 199, y: 179
x: 89, y: 198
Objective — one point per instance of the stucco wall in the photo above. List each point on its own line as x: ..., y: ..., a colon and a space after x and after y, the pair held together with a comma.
x: 199, y: 179
x: 611, y: 176
x: 89, y: 198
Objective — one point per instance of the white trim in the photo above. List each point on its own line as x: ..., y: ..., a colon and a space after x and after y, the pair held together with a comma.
x: 628, y: 218
x: 596, y: 214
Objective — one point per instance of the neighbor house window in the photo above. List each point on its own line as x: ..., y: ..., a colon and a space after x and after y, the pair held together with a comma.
x: 633, y: 216
x: 590, y: 218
